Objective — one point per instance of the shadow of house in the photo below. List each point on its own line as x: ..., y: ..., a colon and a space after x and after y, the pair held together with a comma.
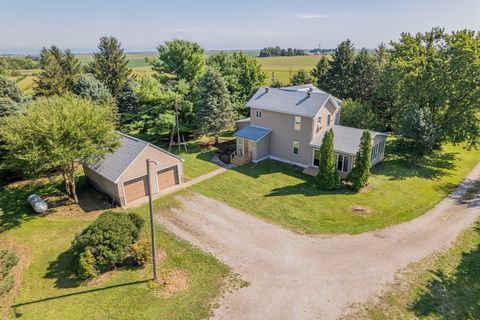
x: 453, y: 296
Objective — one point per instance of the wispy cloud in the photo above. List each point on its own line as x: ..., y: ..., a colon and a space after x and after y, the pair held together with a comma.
x: 309, y: 16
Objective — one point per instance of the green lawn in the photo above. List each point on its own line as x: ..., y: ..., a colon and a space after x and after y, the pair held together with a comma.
x: 278, y: 193
x: 443, y: 287
x: 49, y: 289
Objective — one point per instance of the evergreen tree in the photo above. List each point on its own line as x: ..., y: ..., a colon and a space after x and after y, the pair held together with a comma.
x: 320, y: 71
x: 364, y: 76
x: 90, y: 88
x: 213, y: 111
x: 327, y: 177
x: 301, y: 77
x: 360, y: 173
x: 110, y: 64
x: 127, y: 100
x: 339, y: 77
x: 60, y: 70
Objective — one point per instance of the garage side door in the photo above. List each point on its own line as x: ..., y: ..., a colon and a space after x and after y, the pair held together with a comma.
x: 167, y: 178
x: 136, y: 188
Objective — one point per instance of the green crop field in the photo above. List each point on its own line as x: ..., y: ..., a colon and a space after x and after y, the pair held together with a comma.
x: 281, y: 67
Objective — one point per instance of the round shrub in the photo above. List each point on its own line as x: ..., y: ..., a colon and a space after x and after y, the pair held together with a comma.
x: 109, y: 239
x: 142, y: 252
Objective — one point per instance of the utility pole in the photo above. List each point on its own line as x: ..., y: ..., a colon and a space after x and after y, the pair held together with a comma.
x: 152, y: 227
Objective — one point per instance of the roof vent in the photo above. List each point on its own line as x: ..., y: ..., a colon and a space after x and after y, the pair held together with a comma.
x: 266, y: 89
x: 309, y: 92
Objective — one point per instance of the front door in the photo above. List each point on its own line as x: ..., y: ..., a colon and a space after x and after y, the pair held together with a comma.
x: 245, y: 148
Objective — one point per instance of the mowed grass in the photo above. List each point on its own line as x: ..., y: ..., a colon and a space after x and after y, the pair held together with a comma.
x: 440, y: 287
x: 396, y: 193
x: 50, y: 290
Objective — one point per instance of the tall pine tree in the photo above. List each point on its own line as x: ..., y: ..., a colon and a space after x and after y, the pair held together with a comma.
x: 327, y: 177
x: 339, y: 77
x: 60, y: 71
x: 110, y: 64
x: 213, y: 111
x: 320, y: 72
x: 360, y: 173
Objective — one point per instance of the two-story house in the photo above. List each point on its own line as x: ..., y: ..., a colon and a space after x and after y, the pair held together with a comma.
x: 288, y: 124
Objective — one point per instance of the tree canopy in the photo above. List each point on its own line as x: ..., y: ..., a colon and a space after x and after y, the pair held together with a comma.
x: 90, y: 88
x: 180, y: 60
x: 110, y: 64
x: 53, y: 134
x: 301, y: 77
x: 213, y: 111
x: 60, y: 71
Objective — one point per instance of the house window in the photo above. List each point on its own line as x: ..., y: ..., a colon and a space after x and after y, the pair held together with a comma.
x: 298, y: 123
x: 319, y: 123
x: 375, y: 151
x: 258, y: 113
x: 343, y: 162
x: 316, y: 157
x: 296, y: 147
x: 329, y: 118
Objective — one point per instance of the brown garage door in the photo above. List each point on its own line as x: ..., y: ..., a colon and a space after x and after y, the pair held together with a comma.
x: 167, y: 178
x: 136, y: 188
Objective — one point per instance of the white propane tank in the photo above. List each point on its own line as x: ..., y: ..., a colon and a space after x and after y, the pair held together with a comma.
x: 37, y: 203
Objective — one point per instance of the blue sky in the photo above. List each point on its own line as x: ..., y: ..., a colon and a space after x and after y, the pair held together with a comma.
x: 28, y: 25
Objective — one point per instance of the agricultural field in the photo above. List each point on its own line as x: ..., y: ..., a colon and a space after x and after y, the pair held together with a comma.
x: 281, y: 67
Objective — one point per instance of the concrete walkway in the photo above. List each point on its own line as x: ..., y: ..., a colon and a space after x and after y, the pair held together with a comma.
x: 176, y: 188
x: 294, y: 276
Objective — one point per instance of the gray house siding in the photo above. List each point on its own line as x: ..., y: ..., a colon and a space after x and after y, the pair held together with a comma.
x: 262, y: 149
x: 284, y: 134
x: 102, y: 184
x: 377, y: 141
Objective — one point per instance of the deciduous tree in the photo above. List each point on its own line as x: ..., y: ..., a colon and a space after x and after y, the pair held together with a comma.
x: 56, y: 133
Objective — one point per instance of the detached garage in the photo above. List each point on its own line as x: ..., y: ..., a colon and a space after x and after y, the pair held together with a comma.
x: 123, y: 174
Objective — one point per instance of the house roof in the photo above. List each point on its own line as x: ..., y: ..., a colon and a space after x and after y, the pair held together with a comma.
x: 345, y: 139
x: 289, y: 100
x: 114, y: 165
x: 252, y: 133
x: 307, y: 87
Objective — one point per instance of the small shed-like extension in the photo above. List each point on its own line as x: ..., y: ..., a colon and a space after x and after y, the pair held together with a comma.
x: 123, y: 174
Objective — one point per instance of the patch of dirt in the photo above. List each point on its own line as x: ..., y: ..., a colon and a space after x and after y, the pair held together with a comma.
x: 172, y: 282
x: 361, y: 210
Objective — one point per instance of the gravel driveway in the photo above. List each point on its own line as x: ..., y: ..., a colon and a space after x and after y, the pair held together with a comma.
x: 294, y: 276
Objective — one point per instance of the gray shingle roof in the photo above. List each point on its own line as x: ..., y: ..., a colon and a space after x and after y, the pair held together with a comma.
x: 288, y: 100
x: 306, y: 87
x: 113, y: 166
x: 345, y: 139
x: 252, y: 133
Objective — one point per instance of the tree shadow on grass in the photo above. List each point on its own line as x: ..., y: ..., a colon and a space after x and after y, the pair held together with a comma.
x: 453, y: 296
x: 431, y: 168
x: 14, y: 208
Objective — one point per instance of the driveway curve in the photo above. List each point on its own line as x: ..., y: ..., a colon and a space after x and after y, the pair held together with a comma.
x: 295, y: 276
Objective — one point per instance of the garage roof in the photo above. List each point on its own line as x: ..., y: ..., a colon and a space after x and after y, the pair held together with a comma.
x: 114, y: 165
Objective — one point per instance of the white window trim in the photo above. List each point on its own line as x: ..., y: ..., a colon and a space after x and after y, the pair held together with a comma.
x: 319, y: 123
x: 258, y: 114
x: 343, y: 161
x: 297, y: 124
x: 293, y: 148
